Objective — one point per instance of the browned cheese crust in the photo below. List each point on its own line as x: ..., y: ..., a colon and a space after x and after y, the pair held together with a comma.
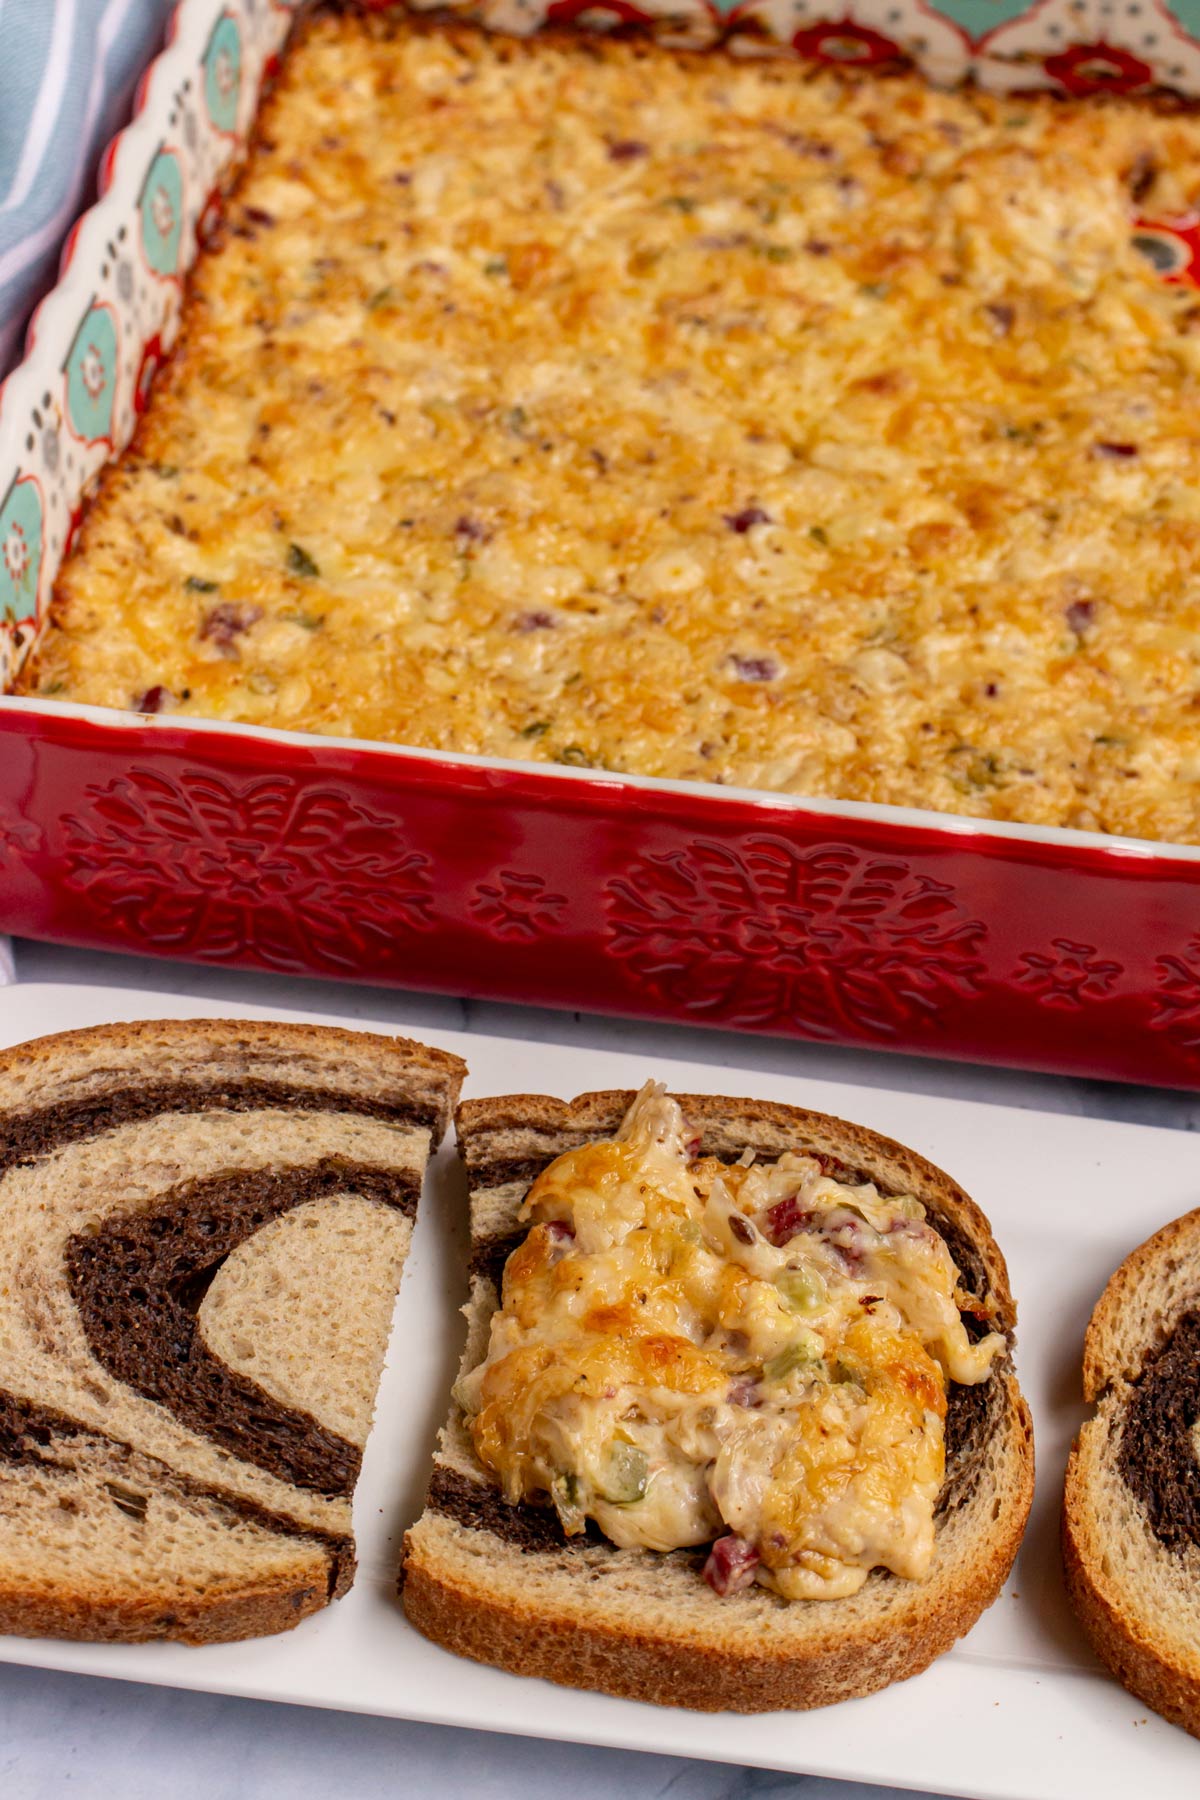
x: 670, y: 1641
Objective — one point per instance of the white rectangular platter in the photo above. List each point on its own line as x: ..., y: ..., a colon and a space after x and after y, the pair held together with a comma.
x: 1020, y: 1710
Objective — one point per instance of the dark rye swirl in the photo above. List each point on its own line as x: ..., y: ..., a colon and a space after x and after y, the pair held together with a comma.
x: 202, y: 1229
x: 1131, y: 1505
x: 501, y: 1584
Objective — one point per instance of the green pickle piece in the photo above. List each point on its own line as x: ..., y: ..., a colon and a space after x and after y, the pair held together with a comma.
x: 801, y: 1290
x: 564, y: 1492
x: 625, y: 1474
x: 803, y: 1350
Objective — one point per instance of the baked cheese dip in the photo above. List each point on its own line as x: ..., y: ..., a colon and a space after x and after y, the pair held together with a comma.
x: 726, y: 420
x: 754, y: 1356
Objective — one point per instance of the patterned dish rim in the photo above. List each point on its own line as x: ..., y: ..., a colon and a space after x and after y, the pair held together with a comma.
x: 601, y: 782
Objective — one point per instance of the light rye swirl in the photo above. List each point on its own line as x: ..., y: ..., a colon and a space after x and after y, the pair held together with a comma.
x: 500, y: 1582
x: 202, y: 1228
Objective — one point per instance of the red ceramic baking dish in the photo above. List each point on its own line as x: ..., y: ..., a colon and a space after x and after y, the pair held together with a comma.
x: 1049, y: 949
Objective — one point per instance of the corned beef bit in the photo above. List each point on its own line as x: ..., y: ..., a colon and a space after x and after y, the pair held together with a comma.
x: 731, y: 1565
x: 744, y: 1391
x: 786, y: 1218
x: 746, y: 519
x: 223, y: 623
x: 835, y: 1168
x: 561, y: 1237
x: 1141, y: 175
x: 154, y: 700
x: 755, y: 668
x: 808, y: 146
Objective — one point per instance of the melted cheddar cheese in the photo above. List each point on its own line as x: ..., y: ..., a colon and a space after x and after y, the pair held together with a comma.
x: 684, y: 416
x: 687, y: 1349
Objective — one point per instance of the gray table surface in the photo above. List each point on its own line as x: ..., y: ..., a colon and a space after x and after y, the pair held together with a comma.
x: 74, y: 1735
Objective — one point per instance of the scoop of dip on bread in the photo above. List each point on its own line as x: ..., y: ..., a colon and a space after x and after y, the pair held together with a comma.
x: 754, y: 1356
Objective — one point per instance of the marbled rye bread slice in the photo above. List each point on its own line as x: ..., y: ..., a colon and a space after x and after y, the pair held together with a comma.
x: 500, y: 1583
x: 1131, y: 1502
x: 202, y: 1229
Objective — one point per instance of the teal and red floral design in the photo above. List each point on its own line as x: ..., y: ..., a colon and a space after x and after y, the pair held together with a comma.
x: 97, y: 340
x: 1074, y: 46
x: 21, y: 550
x: 90, y: 374
x: 223, y: 73
x: 160, y: 211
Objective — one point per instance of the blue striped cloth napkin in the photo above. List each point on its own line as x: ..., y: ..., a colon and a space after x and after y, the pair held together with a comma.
x: 68, y: 69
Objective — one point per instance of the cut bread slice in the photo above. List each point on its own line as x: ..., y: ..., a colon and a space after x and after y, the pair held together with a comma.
x: 501, y: 1584
x: 202, y: 1230
x: 1131, y: 1504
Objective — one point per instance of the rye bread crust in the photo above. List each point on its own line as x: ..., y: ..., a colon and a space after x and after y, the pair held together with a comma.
x: 643, y: 1626
x: 25, y: 1068
x: 1136, y: 1596
x: 95, y: 1616
x: 100, y: 1538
